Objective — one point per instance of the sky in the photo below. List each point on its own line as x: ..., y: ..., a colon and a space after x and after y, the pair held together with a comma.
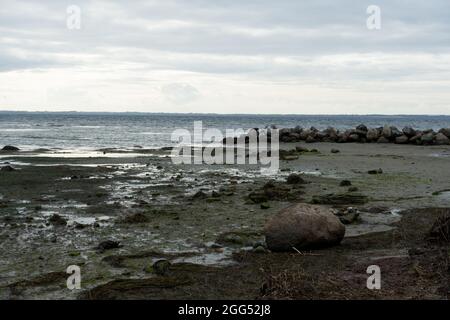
x: 226, y: 56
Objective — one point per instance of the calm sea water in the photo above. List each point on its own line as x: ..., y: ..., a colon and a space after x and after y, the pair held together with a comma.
x: 125, y: 130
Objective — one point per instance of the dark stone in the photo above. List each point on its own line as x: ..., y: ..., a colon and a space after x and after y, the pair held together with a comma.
x: 445, y: 131
x: 362, y: 128
x: 402, y: 139
x: 340, y: 199
x: 345, y: 183
x: 265, y: 205
x: 57, y: 220
x: 428, y: 138
x: 294, y: 178
x: 199, y: 195
x: 108, y: 245
x: 383, y: 140
x: 7, y: 169
x: 10, y: 148
x: 161, y: 267
x: 136, y: 218
x: 348, y: 216
x: 409, y: 132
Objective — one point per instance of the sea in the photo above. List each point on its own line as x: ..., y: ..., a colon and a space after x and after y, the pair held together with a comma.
x: 93, y: 131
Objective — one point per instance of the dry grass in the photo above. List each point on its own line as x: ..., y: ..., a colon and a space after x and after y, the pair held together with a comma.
x: 440, y: 231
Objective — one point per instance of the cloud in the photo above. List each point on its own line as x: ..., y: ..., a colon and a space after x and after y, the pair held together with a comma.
x: 180, y: 93
x: 155, y: 55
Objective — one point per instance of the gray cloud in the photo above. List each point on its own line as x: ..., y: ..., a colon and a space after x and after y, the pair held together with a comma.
x: 324, y: 41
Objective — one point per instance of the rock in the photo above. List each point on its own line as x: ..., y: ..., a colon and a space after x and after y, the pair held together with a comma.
x: 79, y: 226
x: 353, y: 137
x: 301, y: 149
x: 7, y: 169
x: 289, y: 157
x: 427, y: 138
x: 10, y: 148
x: 409, y: 132
x: 108, y: 245
x: 310, y: 139
x: 288, y: 154
x: 304, y: 134
x: 57, y: 220
x: 265, y: 205
x: 345, y: 183
x: 348, y: 215
x: 379, y: 171
x: 383, y: 140
x: 215, y: 194
x: 258, y: 197
x: 362, y: 129
x: 240, y: 238
x: 138, y: 217
x: 402, y: 139
x: 161, y: 267
x: 387, y: 132
x: 303, y: 226
x: 331, y: 134
x: 445, y: 131
x: 339, y: 199
x: 352, y: 189
x: 372, y: 135
x: 395, y: 132
x: 335, y: 151
x: 295, y: 178
x: 259, y: 249
x: 441, y: 139
x: 417, y: 138
x: 199, y: 195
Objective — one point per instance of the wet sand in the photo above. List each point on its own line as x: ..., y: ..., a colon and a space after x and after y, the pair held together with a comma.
x: 210, y: 238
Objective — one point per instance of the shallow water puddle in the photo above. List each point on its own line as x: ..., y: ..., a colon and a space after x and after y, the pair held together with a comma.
x: 373, y: 222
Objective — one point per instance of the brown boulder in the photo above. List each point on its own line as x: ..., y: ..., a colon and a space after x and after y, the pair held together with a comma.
x: 303, y: 226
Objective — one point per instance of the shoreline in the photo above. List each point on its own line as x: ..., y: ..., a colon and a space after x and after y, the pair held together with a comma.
x: 203, y: 220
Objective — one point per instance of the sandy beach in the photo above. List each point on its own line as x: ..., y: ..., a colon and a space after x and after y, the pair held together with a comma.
x: 115, y: 213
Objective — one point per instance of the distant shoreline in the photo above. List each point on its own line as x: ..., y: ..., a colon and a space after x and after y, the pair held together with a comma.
x: 218, y: 114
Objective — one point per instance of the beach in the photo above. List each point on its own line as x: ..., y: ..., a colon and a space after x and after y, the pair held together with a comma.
x: 116, y: 212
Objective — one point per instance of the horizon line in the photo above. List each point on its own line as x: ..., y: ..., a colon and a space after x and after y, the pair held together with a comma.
x: 221, y: 114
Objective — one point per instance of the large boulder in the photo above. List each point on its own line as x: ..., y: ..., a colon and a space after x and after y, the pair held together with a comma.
x: 372, y: 135
x: 441, y: 139
x: 382, y: 139
x: 428, y: 138
x: 402, y: 139
x: 303, y: 226
x: 445, y: 131
x: 409, y: 132
x: 395, y: 132
x: 387, y: 132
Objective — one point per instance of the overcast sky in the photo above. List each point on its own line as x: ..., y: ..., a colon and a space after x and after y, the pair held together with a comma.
x: 225, y: 56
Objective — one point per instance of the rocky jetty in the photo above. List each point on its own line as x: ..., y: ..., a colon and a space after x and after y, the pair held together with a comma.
x: 361, y: 134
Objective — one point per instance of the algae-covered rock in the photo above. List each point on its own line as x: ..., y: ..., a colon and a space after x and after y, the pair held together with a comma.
x: 303, y: 226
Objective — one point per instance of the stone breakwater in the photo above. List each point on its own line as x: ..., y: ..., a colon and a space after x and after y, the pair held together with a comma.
x: 362, y: 134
